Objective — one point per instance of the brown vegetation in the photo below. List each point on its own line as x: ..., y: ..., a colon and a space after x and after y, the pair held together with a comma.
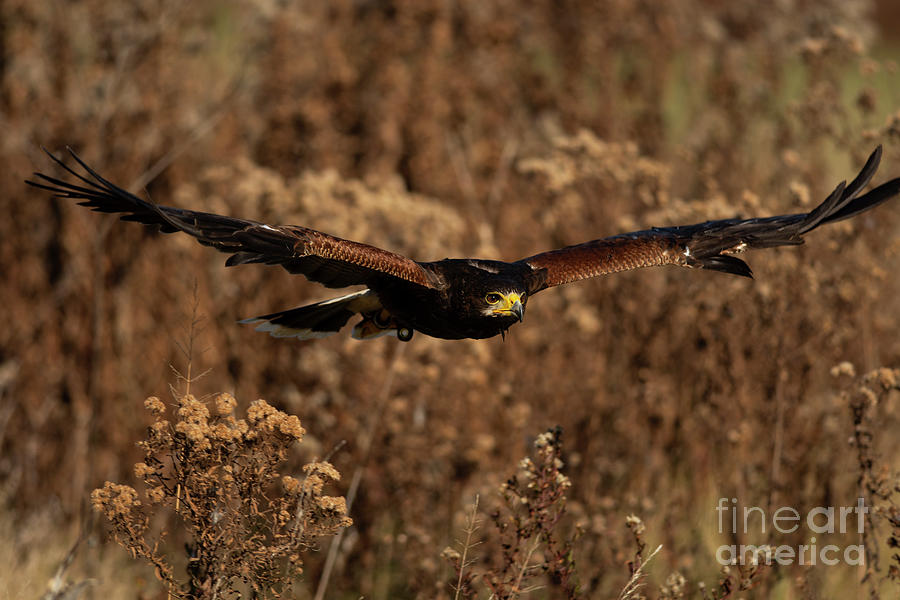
x: 217, y: 473
x: 491, y: 129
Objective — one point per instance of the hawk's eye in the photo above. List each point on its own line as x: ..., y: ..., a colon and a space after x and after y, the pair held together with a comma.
x: 493, y: 298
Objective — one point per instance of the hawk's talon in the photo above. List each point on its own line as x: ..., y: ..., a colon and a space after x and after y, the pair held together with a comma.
x: 382, y: 319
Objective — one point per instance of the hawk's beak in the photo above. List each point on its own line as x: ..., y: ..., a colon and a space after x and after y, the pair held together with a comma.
x: 511, y: 305
x: 518, y: 310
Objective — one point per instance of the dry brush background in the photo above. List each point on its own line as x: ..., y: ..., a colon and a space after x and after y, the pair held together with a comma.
x: 493, y: 129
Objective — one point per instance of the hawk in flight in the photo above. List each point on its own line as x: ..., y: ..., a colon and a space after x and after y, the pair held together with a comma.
x: 455, y: 298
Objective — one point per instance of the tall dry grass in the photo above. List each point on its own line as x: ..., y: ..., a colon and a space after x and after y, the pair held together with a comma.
x: 490, y: 129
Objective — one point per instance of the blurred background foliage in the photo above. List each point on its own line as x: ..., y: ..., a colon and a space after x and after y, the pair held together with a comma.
x: 494, y: 129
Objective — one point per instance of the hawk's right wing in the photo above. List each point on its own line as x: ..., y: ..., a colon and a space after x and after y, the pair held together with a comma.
x: 323, y: 258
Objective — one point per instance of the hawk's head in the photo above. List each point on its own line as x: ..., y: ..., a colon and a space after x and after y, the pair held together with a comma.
x: 495, y: 293
x: 486, y: 297
x: 504, y: 303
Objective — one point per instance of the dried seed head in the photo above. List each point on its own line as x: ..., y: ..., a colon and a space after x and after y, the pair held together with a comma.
x: 449, y: 553
x: 635, y: 524
x: 156, y: 494
x: 159, y: 427
x: 115, y: 500
x: 335, y: 504
x: 291, y: 485
x: 886, y: 378
x: 325, y: 469
x: 290, y: 426
x: 194, y: 432
x: 543, y: 440
x: 225, y: 404
x: 844, y: 368
x: 259, y: 410
x: 268, y: 419
x: 155, y: 406
x: 141, y: 470
x: 225, y: 432
x: 313, y: 485
x: 193, y: 410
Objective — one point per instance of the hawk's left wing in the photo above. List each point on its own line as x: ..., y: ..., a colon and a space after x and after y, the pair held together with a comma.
x: 710, y: 245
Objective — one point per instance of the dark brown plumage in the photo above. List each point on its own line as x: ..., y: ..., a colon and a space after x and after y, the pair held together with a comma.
x: 455, y: 298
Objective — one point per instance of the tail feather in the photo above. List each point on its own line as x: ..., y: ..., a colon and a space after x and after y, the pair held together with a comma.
x: 316, y: 320
x: 726, y: 264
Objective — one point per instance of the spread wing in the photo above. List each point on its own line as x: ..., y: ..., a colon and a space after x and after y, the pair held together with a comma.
x: 329, y: 260
x: 711, y: 245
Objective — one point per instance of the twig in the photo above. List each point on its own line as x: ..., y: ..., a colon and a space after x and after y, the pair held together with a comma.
x: 187, y: 350
x: 517, y: 587
x: 471, y: 527
x: 637, y: 579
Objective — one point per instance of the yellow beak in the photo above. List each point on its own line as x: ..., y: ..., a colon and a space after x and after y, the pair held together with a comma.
x: 511, y: 305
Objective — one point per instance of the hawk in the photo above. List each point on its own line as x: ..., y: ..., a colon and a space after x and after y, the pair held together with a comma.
x: 454, y: 298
